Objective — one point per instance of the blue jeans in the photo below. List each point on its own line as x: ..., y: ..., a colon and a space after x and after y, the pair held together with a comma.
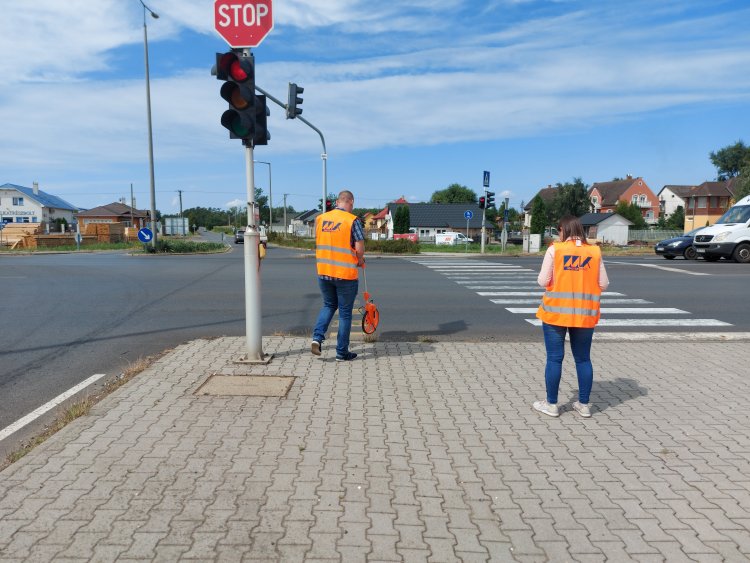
x: 580, y: 344
x: 337, y: 294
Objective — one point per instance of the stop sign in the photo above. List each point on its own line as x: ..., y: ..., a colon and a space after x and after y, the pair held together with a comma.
x: 243, y: 23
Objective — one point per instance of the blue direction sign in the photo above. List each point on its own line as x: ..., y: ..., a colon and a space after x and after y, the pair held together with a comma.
x: 486, y: 179
x: 145, y: 235
x: 468, y: 214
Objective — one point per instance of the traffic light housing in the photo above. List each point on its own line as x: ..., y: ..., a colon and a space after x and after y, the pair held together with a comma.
x: 329, y: 205
x: 490, y: 201
x: 293, y: 101
x: 482, y: 203
x: 237, y: 69
x: 261, y: 134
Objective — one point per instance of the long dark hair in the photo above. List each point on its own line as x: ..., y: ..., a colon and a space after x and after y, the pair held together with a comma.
x: 570, y: 227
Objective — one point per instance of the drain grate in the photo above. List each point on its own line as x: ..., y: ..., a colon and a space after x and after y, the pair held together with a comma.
x: 247, y: 385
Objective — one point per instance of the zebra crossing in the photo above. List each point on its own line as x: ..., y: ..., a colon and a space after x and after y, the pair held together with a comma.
x: 513, y: 286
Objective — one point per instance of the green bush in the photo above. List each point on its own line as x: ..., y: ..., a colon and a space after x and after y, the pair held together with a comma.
x: 291, y: 241
x: 186, y: 246
x: 400, y: 246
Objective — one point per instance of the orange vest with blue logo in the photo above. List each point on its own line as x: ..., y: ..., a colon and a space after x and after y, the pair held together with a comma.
x: 574, y: 295
x: 333, y: 245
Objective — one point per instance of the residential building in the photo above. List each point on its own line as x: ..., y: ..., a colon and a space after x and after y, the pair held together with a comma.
x: 673, y: 196
x: 114, y: 213
x: 605, y: 196
x: 547, y: 194
x: 707, y: 202
x: 19, y: 204
x: 303, y: 225
x: 429, y: 219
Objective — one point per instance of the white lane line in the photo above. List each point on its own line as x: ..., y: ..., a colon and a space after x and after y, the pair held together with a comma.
x: 618, y: 311
x: 514, y: 285
x: 686, y: 336
x: 665, y: 268
x: 603, y: 301
x: 540, y: 292
x: 20, y: 423
x: 650, y: 322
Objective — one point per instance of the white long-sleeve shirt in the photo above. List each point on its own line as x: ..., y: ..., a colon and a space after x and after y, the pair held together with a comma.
x: 548, y: 269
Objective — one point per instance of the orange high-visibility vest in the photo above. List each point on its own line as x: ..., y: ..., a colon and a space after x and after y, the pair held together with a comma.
x: 333, y: 245
x: 573, y: 297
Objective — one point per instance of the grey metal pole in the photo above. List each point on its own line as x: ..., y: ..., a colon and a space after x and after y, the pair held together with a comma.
x: 253, y: 336
x: 285, y: 229
x: 270, y: 196
x: 182, y: 222
x: 148, y: 114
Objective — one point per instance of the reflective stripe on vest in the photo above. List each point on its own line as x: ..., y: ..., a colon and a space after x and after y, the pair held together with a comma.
x: 574, y: 297
x: 333, y: 252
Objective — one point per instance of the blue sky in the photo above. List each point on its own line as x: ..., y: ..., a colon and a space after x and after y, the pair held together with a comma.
x: 411, y: 97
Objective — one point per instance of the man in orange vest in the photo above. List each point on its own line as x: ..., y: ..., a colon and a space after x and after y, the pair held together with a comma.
x: 573, y: 274
x: 339, y: 251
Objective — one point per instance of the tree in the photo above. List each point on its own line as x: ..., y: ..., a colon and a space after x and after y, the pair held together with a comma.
x: 730, y: 160
x: 402, y: 220
x: 539, y: 219
x: 743, y: 185
x: 633, y: 213
x: 331, y: 197
x: 570, y: 199
x: 455, y: 193
x: 677, y: 219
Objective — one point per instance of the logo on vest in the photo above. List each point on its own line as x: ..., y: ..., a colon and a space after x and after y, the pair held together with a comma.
x: 330, y: 226
x: 576, y: 263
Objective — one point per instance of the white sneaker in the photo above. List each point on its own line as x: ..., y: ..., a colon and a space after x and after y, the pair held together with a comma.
x: 546, y: 408
x: 315, y: 347
x: 583, y: 409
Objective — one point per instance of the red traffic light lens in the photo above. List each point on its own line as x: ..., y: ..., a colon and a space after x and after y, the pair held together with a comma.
x: 237, y: 72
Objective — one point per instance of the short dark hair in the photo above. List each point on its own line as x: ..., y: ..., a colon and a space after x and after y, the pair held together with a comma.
x: 570, y: 227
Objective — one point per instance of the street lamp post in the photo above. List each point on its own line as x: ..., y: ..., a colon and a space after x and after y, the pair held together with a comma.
x: 148, y: 114
x: 270, y: 198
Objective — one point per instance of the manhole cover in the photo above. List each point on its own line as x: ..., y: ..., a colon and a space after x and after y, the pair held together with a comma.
x: 247, y: 385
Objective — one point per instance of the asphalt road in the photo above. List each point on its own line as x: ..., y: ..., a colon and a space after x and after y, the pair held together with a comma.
x: 69, y: 316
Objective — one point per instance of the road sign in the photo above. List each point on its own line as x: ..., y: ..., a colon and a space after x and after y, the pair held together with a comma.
x: 468, y: 214
x: 145, y: 235
x: 486, y: 179
x: 243, y: 23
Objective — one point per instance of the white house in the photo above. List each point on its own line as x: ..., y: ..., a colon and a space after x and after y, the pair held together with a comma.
x: 610, y: 228
x: 672, y: 197
x: 19, y: 204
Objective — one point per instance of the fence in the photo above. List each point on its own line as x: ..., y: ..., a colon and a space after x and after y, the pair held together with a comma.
x: 654, y: 236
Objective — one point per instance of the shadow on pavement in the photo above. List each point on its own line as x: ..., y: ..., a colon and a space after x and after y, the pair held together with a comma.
x: 612, y: 393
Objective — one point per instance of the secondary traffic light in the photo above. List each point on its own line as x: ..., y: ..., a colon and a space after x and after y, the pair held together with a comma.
x: 482, y: 203
x: 293, y: 101
x: 261, y: 134
x: 238, y: 70
x: 490, y: 199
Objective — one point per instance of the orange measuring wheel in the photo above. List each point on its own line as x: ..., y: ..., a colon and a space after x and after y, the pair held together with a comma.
x: 370, y: 314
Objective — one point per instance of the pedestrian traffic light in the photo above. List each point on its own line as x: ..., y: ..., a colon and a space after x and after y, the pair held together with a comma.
x: 293, y: 101
x: 482, y: 203
x: 237, y: 69
x: 329, y: 205
x: 490, y: 199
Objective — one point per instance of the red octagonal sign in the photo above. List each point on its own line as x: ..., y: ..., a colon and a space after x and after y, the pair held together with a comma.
x: 243, y: 23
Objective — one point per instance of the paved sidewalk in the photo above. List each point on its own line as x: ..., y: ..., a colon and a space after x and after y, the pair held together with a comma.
x: 413, y: 452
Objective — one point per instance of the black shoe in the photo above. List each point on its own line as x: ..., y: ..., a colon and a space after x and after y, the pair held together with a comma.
x: 315, y: 347
x: 348, y: 357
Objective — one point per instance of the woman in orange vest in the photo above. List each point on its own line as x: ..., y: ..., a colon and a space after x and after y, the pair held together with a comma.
x: 574, y: 276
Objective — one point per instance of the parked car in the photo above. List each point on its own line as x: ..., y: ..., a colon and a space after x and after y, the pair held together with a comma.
x: 239, y: 235
x: 678, y: 246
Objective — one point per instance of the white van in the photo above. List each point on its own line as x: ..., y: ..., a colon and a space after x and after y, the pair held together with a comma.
x: 729, y: 237
x: 452, y: 238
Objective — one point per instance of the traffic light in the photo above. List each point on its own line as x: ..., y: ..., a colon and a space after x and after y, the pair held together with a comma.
x: 237, y: 69
x: 482, y: 203
x: 490, y: 199
x: 261, y: 134
x: 329, y: 205
x: 293, y: 101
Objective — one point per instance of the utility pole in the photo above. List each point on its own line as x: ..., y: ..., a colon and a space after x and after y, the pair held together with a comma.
x: 285, y: 215
x: 182, y: 222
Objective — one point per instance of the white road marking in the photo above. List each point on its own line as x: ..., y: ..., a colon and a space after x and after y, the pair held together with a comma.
x: 20, y: 423
x: 665, y: 268
x: 650, y: 322
x: 618, y: 311
x: 540, y: 292
x: 603, y: 301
